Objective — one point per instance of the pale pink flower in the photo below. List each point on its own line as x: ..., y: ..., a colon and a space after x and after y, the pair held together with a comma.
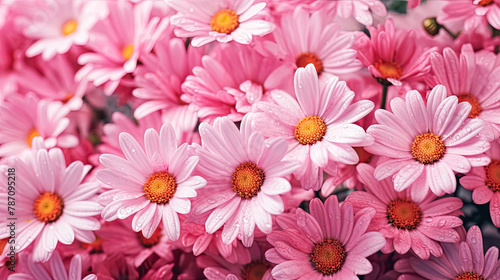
x: 57, y: 25
x: 153, y: 183
x: 393, y: 55
x: 485, y: 183
x: 54, y: 268
x: 220, y: 20
x: 329, y: 243
x: 405, y: 222
x: 466, y: 11
x: 117, y: 41
x: 472, y: 77
x: 422, y: 145
x: 246, y: 179
x: 306, y: 37
x: 464, y: 260
x: 52, y: 203
x: 23, y: 118
x: 318, y: 126
x: 360, y: 10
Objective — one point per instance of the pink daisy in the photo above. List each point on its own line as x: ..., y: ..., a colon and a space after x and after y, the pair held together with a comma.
x: 464, y: 261
x: 52, y: 205
x: 318, y: 126
x: 360, y: 10
x: 153, y: 183
x: 465, y: 11
x: 246, y: 178
x: 329, y: 243
x: 220, y: 20
x: 485, y: 183
x: 329, y: 49
x: 393, y: 55
x: 423, y: 145
x: 405, y: 222
x: 33, y: 117
x: 117, y: 41
x: 52, y: 269
x: 57, y: 25
x: 472, y: 78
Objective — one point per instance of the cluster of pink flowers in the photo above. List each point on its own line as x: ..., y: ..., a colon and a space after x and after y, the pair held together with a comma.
x: 249, y: 139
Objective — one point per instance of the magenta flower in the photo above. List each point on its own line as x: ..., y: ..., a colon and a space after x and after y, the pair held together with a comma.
x: 464, y: 261
x: 318, y: 125
x: 405, y: 222
x: 423, y: 145
x: 467, y: 11
x: 329, y: 243
x: 153, y: 183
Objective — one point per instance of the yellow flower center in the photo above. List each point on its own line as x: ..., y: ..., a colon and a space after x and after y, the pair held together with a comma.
x: 225, y: 21
x: 310, y: 130
x: 306, y: 58
x: 476, y: 107
x: 127, y: 51
x: 254, y: 270
x: 247, y: 180
x: 493, y: 175
x: 469, y: 276
x: 69, y: 27
x: 404, y: 214
x: 160, y: 187
x: 328, y: 256
x: 428, y: 148
x: 31, y: 134
x: 153, y: 240
x: 388, y: 69
x: 48, y: 207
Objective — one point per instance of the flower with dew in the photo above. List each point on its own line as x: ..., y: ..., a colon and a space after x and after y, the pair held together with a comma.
x: 467, y: 12
x: 461, y: 261
x: 153, y: 182
x: 318, y: 125
x: 305, y: 38
x: 246, y: 179
x: 485, y: 183
x: 219, y: 20
x: 393, y: 56
x: 422, y: 145
x: 461, y: 74
x: 405, y: 222
x: 52, y: 203
x: 329, y: 243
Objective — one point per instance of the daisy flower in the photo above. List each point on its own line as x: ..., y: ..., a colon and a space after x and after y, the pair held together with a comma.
x: 405, y: 222
x: 464, y: 261
x: 53, y: 269
x: 318, y: 125
x: 246, y: 178
x: 57, y: 25
x: 485, y: 183
x: 329, y: 243
x: 33, y: 117
x: 219, y: 20
x: 422, y: 145
x: 52, y: 203
x: 393, y: 55
x: 461, y: 75
x: 329, y: 49
x: 153, y: 183
x: 466, y: 11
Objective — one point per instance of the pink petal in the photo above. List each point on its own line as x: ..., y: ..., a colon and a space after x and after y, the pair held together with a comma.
x: 358, y: 264
x: 482, y: 195
x: 309, y: 226
x: 134, y: 153
x: 171, y: 223
x: 291, y: 269
x: 221, y: 214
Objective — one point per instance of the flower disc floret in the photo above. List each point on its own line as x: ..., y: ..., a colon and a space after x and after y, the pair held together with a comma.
x: 328, y: 256
x: 388, y: 69
x: 225, y: 21
x: 469, y: 276
x: 306, y: 58
x: 428, y: 148
x: 310, y: 130
x: 492, y: 171
x: 48, y: 207
x: 69, y: 27
x: 254, y: 270
x: 476, y: 107
x: 404, y: 214
x: 160, y: 187
x: 247, y: 180
x: 153, y: 240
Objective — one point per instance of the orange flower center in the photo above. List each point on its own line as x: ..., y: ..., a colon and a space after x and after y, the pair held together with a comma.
x: 160, y: 187
x: 306, y: 58
x: 67, y: 98
x: 388, y: 69
x: 476, y: 107
x: 254, y: 270
x: 225, y: 21
x: 404, y: 214
x: 69, y: 27
x: 310, y: 130
x: 364, y: 156
x: 127, y: 51
x: 96, y: 246
x: 485, y: 3
x: 48, y: 207
x: 493, y: 175
x: 469, y: 276
x: 428, y: 148
x: 247, y: 180
x: 31, y: 134
x: 328, y: 256
x: 153, y: 240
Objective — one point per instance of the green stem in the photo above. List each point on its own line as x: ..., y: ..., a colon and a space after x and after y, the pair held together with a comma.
x: 384, y: 96
x: 453, y: 35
